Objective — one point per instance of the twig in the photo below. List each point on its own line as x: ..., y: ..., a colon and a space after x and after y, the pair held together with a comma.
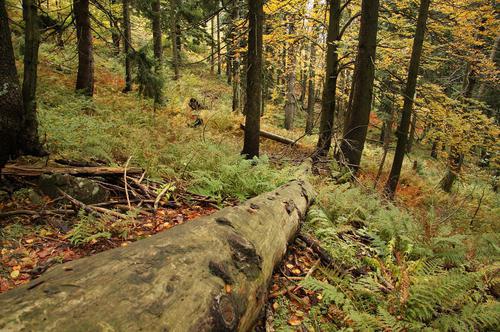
x: 126, y: 183
x: 160, y: 196
x: 478, y: 207
x: 92, y: 209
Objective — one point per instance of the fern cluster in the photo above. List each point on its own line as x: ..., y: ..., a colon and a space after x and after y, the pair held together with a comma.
x: 404, y: 282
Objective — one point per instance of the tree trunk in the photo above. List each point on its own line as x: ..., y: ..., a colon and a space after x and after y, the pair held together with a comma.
x: 388, y: 108
x: 311, y: 99
x: 330, y: 85
x: 409, y: 94
x: 235, y: 66
x: 156, y: 24
x: 254, y: 79
x: 173, y: 30
x: 290, y: 105
x: 29, y: 140
x: 219, y: 60
x: 212, y: 46
x: 411, y: 135
x: 211, y: 274
x: 85, y: 75
x: 115, y: 32
x: 357, y: 121
x: 127, y: 46
x: 11, y: 103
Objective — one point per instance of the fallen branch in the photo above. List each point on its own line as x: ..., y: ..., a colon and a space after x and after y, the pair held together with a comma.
x: 90, y: 208
x: 22, y: 170
x: 325, y: 257
x: 274, y: 137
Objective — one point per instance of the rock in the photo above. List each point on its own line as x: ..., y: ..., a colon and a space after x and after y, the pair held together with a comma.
x: 84, y: 190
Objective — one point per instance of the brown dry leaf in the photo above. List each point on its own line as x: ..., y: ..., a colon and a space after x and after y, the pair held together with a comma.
x: 296, y: 271
x: 276, y: 306
x: 290, y: 266
x: 228, y: 289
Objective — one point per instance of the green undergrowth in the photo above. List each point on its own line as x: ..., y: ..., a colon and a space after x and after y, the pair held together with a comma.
x: 112, y: 126
x: 392, y: 274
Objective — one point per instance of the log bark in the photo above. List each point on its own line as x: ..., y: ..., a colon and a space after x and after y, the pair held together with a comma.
x: 274, y: 137
x: 211, y: 274
x: 20, y: 170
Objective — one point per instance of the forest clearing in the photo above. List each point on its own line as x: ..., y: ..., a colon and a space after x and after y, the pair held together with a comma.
x: 259, y: 165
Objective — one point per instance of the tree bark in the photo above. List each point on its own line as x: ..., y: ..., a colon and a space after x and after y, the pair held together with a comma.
x: 29, y: 140
x: 358, y: 119
x: 173, y: 30
x: 115, y: 32
x: 254, y: 79
x: 219, y: 60
x: 127, y: 46
x: 330, y: 86
x: 85, y: 75
x: 411, y: 135
x: 156, y: 25
x: 311, y: 93
x: 211, y: 274
x: 290, y: 105
x: 235, y: 66
x: 11, y: 103
x: 409, y: 94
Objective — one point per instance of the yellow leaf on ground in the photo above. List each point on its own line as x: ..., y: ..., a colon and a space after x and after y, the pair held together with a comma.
x: 295, y: 321
x: 14, y: 274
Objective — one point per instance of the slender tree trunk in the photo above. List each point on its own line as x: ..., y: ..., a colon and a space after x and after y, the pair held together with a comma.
x: 173, y: 30
x: 156, y: 23
x: 219, y: 60
x: 411, y: 135
x: 11, y: 103
x: 290, y: 105
x: 357, y: 121
x: 254, y: 79
x: 235, y: 67
x: 115, y: 33
x: 411, y: 86
x: 157, y: 47
x: 388, y: 108
x: 85, y: 75
x: 330, y: 85
x: 127, y: 46
x: 29, y: 137
x: 311, y: 99
x: 212, y: 46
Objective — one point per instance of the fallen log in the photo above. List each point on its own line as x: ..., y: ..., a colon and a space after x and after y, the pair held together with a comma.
x: 274, y: 137
x: 211, y: 274
x: 23, y: 170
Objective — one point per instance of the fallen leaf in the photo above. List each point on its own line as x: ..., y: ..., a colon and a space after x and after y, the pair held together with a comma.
x: 276, y: 306
x: 294, y: 321
x: 15, y: 274
x: 228, y: 289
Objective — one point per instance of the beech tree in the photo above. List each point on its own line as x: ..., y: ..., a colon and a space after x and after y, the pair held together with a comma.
x: 356, y: 123
x: 254, y: 79
x: 85, y: 75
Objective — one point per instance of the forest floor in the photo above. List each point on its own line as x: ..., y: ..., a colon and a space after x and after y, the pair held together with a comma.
x: 386, y: 255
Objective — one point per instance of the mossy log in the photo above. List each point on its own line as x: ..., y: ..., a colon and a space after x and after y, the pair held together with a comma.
x: 211, y: 274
